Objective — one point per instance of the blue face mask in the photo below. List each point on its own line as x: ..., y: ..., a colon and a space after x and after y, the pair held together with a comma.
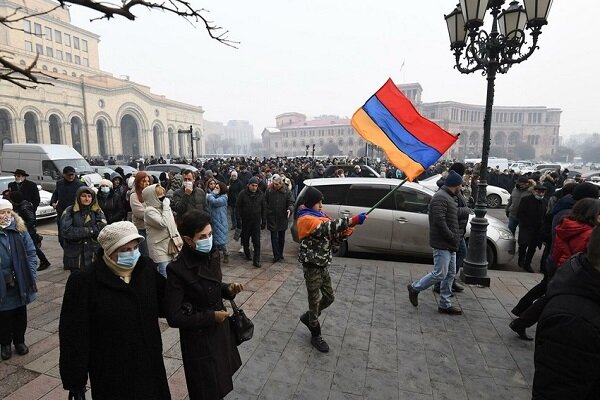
x: 204, y: 245
x: 128, y: 259
x: 105, y: 189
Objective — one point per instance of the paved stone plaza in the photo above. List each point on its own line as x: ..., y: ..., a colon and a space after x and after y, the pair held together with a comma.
x: 381, y: 346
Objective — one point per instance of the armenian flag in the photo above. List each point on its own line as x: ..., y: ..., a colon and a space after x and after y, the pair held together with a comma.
x: 411, y: 142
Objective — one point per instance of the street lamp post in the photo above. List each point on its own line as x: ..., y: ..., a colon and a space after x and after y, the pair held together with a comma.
x: 192, y: 138
x: 491, y: 53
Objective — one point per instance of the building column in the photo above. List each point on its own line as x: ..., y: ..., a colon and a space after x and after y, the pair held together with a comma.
x: 44, y: 133
x: 19, y: 131
x: 92, y: 139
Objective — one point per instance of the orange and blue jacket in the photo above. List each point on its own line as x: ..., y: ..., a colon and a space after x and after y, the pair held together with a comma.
x: 317, y: 233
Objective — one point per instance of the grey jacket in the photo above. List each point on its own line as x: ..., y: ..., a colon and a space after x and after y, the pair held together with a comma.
x: 444, y: 231
x: 515, y: 199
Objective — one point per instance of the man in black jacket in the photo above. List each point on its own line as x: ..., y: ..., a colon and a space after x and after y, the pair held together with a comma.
x: 29, y: 189
x: 567, y: 343
x: 251, y: 219
x: 64, y: 195
x: 531, y: 217
x: 279, y: 206
x: 444, y: 236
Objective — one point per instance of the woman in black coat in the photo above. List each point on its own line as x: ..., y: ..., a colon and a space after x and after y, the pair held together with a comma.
x: 194, y: 304
x: 109, y: 323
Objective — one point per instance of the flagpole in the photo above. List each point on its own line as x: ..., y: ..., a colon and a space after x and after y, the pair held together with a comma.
x: 386, y: 196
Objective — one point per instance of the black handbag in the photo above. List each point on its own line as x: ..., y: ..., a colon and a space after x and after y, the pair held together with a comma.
x: 241, y: 326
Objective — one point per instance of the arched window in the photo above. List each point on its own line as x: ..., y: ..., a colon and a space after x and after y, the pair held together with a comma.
x: 55, y: 129
x: 31, y: 127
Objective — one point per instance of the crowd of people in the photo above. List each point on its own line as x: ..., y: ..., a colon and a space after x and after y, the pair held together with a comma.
x: 155, y: 246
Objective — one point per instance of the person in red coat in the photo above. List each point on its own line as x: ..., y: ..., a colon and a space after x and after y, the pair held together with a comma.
x: 573, y: 232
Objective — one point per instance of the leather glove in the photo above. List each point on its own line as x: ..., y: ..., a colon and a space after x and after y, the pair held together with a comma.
x: 78, y: 394
x: 358, y: 219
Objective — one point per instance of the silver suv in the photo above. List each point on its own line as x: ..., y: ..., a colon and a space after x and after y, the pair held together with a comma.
x: 400, y: 225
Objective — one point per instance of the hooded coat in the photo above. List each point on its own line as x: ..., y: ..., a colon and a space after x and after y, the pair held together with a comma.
x: 80, y: 226
x: 111, y: 205
x: 195, y: 290
x: 109, y: 330
x: 217, y: 208
x: 17, y: 254
x: 570, y: 237
x: 160, y: 225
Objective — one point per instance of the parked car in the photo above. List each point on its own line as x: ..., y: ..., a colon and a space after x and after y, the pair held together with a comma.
x: 177, y: 168
x: 496, y: 196
x: 400, y: 225
x: 44, y: 210
x: 365, y: 171
x: 101, y: 170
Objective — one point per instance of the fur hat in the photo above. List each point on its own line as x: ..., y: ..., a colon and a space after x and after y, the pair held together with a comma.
x: 5, y: 204
x: 106, y: 182
x: 117, y: 234
x: 312, y: 197
x: 453, y: 179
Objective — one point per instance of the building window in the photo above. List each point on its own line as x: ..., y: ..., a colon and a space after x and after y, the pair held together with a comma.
x: 55, y: 70
x: 37, y: 29
x: 59, y: 55
x: 76, y: 42
x: 39, y: 49
x: 77, y: 60
x: 27, y: 26
x: 86, y: 63
x: 49, y: 52
x: 28, y: 46
x: 48, y: 33
x: 57, y: 36
x: 84, y: 45
x: 68, y: 57
x: 67, y: 40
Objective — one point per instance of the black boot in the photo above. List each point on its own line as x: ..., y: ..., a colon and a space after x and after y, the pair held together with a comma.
x: 6, y: 352
x: 519, y: 330
x: 317, y: 340
x: 21, y: 348
x: 522, y: 254
x: 44, y: 265
x: 256, y: 261
x: 247, y: 253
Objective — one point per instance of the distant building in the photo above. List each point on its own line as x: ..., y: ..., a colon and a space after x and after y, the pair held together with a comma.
x: 330, y: 134
x: 511, y: 126
x: 234, y: 138
x: 90, y: 109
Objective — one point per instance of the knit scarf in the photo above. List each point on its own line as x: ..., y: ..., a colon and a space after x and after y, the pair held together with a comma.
x: 123, y: 273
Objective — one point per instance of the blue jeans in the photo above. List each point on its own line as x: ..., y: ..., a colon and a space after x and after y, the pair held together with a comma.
x: 512, y: 224
x: 162, y: 268
x: 444, y: 269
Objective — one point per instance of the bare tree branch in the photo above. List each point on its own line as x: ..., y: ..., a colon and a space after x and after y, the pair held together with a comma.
x: 25, y: 78
x: 28, y: 77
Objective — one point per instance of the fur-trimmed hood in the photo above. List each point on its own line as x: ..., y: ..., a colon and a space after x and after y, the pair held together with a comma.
x: 18, y: 223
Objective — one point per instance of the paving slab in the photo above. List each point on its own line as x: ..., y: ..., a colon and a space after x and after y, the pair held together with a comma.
x: 381, y: 347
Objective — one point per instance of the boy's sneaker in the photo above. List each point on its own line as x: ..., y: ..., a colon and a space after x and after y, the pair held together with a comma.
x: 319, y: 343
x: 413, y: 295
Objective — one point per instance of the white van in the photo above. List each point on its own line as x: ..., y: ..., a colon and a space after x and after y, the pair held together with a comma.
x: 44, y: 162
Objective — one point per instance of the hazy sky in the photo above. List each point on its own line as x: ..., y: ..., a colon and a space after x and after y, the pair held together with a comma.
x: 329, y: 56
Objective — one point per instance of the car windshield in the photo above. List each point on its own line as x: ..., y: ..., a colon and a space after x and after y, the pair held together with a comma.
x: 80, y: 165
x: 4, y: 181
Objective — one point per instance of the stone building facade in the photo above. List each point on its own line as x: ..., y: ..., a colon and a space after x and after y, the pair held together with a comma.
x: 511, y: 127
x: 90, y: 109
x: 235, y: 137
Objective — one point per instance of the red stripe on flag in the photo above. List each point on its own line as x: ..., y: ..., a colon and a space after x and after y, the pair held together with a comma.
x: 404, y: 111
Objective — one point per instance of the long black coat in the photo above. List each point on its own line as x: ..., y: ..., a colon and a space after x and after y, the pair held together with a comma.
x: 277, y: 205
x: 531, y: 217
x: 250, y: 207
x: 194, y: 292
x: 109, y: 330
x: 112, y: 206
x: 29, y: 189
x: 567, y: 342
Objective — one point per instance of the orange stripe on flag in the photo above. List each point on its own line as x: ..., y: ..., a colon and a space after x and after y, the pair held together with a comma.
x: 369, y: 131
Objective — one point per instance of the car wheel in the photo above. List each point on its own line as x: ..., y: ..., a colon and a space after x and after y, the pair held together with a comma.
x: 342, y: 251
x: 494, y: 201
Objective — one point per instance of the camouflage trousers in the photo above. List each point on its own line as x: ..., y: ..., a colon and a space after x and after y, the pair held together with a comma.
x: 320, y: 292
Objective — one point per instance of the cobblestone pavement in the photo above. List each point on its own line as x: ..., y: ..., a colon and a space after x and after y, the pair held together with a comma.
x: 381, y: 346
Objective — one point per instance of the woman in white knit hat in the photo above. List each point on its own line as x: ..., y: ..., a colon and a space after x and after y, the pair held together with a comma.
x: 109, y: 323
x: 18, y: 265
